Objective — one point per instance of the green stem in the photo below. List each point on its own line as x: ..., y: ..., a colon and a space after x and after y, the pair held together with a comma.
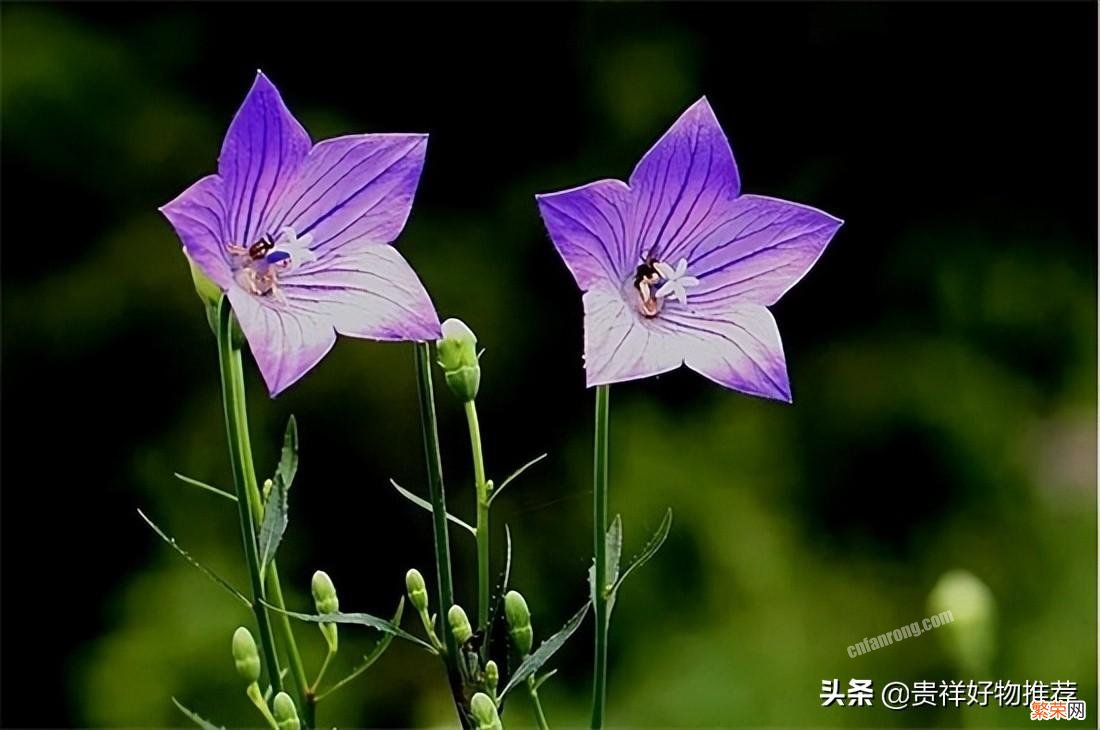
x: 430, y: 432
x: 540, y: 716
x: 229, y: 360
x: 599, y: 538
x: 482, y: 515
x: 321, y: 672
x: 241, y: 445
x: 297, y: 667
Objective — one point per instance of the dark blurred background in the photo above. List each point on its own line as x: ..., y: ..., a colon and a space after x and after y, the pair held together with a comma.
x: 942, y: 352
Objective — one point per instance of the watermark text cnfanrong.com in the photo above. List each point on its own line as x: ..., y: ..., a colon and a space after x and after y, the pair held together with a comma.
x: 901, y: 633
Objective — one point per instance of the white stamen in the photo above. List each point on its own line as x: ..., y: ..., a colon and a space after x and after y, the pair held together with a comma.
x: 676, y: 280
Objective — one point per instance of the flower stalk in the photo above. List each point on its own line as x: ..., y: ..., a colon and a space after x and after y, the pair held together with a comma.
x: 250, y: 508
x: 482, y: 524
x: 599, y: 539
x: 430, y: 433
x: 229, y: 360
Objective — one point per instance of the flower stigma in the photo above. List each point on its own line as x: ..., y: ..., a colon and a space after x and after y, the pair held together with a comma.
x: 257, y: 267
x: 655, y: 280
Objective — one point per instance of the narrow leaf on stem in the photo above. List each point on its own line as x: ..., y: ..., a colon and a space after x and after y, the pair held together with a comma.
x: 500, y: 487
x: 425, y: 504
x: 204, y: 724
x: 187, y: 556
x: 546, y: 650
x: 360, y: 619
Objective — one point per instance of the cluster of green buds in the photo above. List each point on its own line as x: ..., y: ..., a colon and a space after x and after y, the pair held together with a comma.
x: 246, y: 657
x: 519, y: 622
x: 457, y: 353
x: 324, y: 598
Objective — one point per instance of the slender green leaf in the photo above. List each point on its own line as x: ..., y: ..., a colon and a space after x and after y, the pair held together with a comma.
x: 277, y: 504
x: 204, y: 724
x: 204, y: 485
x: 546, y: 650
x: 187, y: 556
x: 276, y: 518
x: 614, y: 549
x: 513, y: 476
x: 542, y: 680
x: 360, y: 619
x: 425, y: 504
x: 288, y: 459
x: 371, y: 657
x: 648, y: 551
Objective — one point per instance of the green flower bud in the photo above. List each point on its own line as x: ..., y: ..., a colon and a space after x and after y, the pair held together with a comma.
x: 324, y: 593
x: 268, y: 486
x: 458, y: 357
x: 286, y: 715
x: 492, y: 676
x: 324, y: 597
x: 245, y: 655
x: 519, y: 622
x: 484, y: 711
x: 460, y: 624
x: 418, y: 590
x: 967, y: 610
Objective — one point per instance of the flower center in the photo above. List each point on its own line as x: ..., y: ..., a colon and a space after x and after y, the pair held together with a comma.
x: 655, y: 280
x: 257, y: 267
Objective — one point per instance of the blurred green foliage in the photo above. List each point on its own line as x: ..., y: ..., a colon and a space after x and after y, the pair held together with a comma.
x: 944, y: 373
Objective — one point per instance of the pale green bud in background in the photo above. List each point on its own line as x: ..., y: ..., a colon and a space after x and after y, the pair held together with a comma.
x: 209, y: 292
x: 457, y: 353
x: 484, y: 711
x: 969, y: 635
x: 492, y: 676
x: 418, y: 590
x: 245, y: 655
x: 519, y: 622
x: 460, y: 624
x: 324, y: 598
x: 286, y: 715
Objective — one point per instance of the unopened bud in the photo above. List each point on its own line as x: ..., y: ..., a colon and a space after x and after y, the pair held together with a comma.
x: 324, y: 597
x: 484, y: 711
x: 519, y: 622
x: 965, y: 606
x: 460, y: 624
x: 418, y: 590
x: 458, y: 357
x: 286, y: 715
x: 268, y: 485
x: 245, y: 655
x: 492, y: 676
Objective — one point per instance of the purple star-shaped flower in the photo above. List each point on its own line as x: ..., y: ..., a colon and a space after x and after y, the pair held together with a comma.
x: 297, y: 235
x: 677, y: 266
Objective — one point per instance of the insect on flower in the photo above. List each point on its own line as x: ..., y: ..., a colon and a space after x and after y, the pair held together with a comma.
x: 677, y: 267
x: 298, y: 236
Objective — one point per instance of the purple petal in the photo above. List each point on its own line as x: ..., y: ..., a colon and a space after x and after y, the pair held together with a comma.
x: 355, y: 189
x: 286, y: 340
x: 735, y: 345
x: 588, y: 226
x: 371, y: 293
x: 687, y: 176
x: 759, y: 250
x: 198, y: 216
x: 260, y: 157
x: 620, y: 345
